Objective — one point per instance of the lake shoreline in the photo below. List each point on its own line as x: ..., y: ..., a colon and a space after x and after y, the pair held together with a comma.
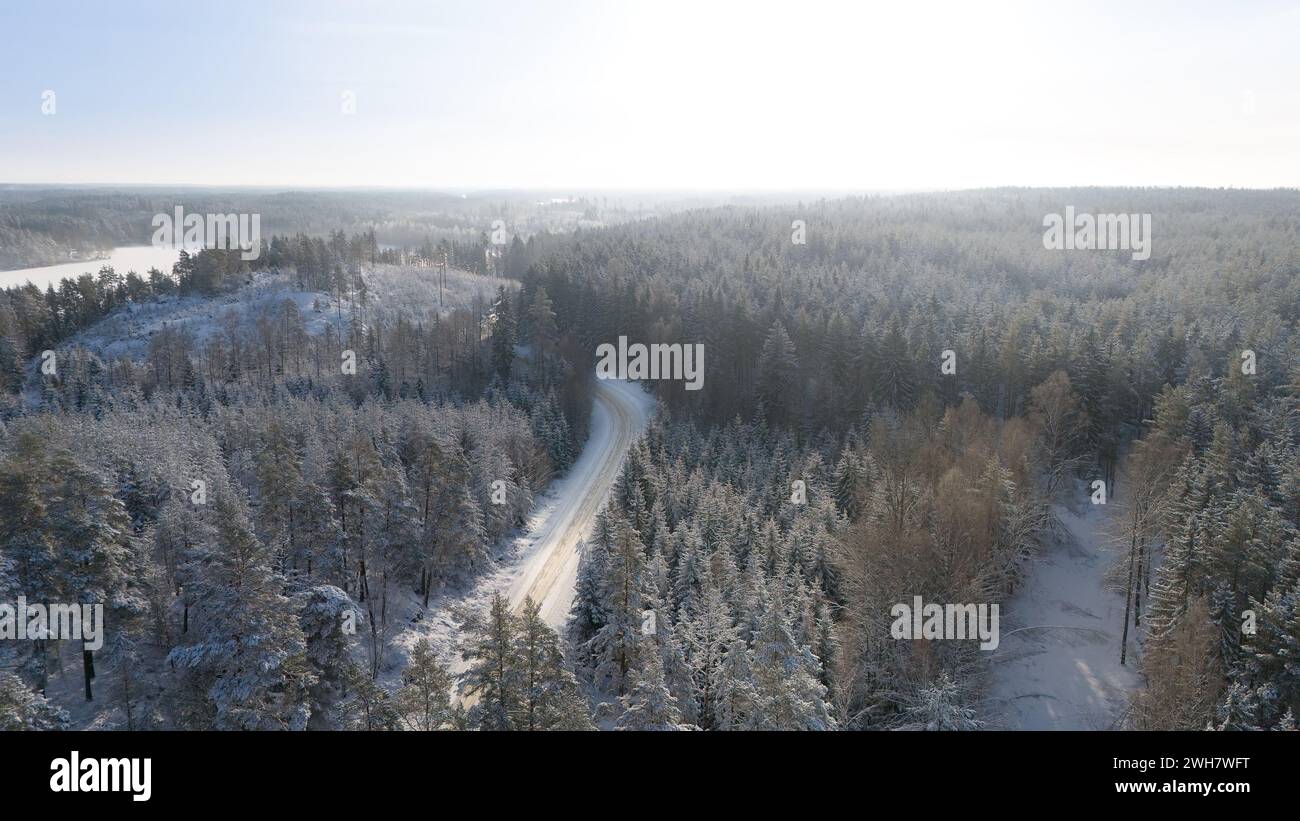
x: 138, y: 258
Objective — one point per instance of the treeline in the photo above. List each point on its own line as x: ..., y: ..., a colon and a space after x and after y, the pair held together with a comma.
x: 882, y: 286
x: 1216, y: 485
x: 40, y: 226
x: 331, y: 263
x: 44, y: 226
x: 32, y: 320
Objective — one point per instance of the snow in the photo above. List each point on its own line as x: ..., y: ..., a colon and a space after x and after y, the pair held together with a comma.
x: 138, y: 258
x: 543, y: 561
x: 546, y: 555
x: 413, y: 294
x: 393, y: 289
x: 1057, y: 666
x: 548, y: 567
x: 126, y: 331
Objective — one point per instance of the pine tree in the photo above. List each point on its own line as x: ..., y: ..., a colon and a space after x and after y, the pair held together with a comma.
x: 316, y: 540
x: 99, y: 560
x: 243, y: 660
x: 494, y: 672
x: 778, y: 366
x: 708, y: 637
x: 1239, y: 710
x: 828, y: 644
x: 369, y: 707
x: 613, y: 650
x: 677, y: 672
x: 550, y: 696
x: 279, y: 476
x: 588, y: 612
x: 736, y: 698
x: 491, y: 466
x: 896, y: 382
x: 542, y: 324
x: 1272, y: 654
x: 851, y: 483
x: 424, y: 701
x: 26, y: 542
x: 324, y: 613
x: 457, y: 530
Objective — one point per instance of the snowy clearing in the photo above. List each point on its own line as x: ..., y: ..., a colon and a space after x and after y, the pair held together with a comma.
x: 1057, y: 667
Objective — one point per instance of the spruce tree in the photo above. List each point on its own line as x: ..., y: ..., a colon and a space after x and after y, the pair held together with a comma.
x: 649, y: 706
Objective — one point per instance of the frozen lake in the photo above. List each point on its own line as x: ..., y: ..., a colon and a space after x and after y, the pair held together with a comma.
x: 138, y: 258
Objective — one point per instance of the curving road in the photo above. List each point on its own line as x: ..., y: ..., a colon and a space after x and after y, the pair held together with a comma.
x: 548, y: 568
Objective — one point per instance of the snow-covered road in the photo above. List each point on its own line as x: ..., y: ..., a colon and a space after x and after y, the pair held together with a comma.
x: 1057, y: 667
x: 545, y: 563
x: 548, y: 563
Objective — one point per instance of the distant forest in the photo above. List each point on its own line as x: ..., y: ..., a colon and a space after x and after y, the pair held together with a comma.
x: 47, y: 225
x: 823, y: 366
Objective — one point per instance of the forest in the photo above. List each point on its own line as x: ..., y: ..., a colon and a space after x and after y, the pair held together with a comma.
x: 741, y: 574
x: 46, y: 225
x: 1173, y: 380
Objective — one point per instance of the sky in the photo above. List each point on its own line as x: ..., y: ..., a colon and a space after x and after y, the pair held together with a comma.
x: 625, y: 94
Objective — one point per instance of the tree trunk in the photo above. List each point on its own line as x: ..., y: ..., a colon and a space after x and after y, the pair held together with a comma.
x: 1128, y: 599
x: 88, y: 669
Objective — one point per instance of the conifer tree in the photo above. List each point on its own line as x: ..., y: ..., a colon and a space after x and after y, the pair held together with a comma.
x: 23, y: 709
x: 245, y: 662
x: 550, y: 697
x: 649, y: 706
x: 494, y: 673
x: 325, y: 615
x: 938, y: 708
x: 503, y: 335
x: 424, y: 701
x: 788, y: 691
